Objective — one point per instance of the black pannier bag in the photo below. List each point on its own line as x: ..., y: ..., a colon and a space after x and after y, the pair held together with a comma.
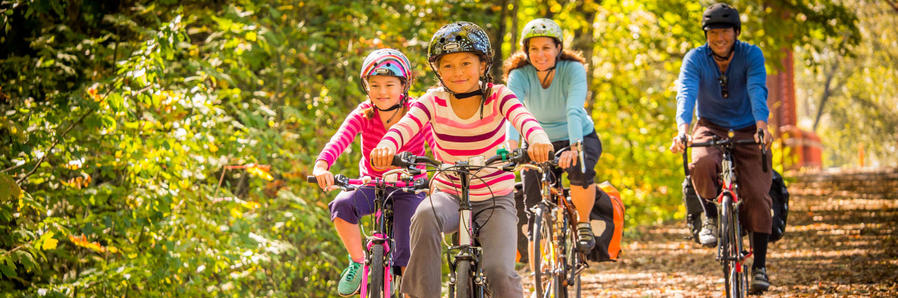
x: 779, y: 196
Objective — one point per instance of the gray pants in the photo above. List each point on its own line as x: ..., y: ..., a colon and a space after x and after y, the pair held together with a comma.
x: 498, y: 239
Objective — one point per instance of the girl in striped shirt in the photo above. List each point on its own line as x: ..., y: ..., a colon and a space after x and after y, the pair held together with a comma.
x: 386, y: 77
x: 468, y: 115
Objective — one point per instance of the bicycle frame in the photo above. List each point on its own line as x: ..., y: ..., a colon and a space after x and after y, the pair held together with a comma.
x: 562, y: 214
x: 466, y: 255
x: 728, y: 204
x: 383, y: 236
x: 382, y: 219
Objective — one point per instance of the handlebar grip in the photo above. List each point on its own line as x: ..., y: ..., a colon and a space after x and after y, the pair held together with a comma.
x: 685, y: 163
x: 397, y: 161
x: 311, y: 179
x: 764, y: 160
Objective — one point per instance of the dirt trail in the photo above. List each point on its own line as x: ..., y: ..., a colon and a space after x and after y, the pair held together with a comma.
x: 841, y: 240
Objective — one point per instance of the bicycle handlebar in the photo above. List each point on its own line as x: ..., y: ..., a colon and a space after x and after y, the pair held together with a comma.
x: 410, y: 161
x: 717, y: 142
x: 349, y: 184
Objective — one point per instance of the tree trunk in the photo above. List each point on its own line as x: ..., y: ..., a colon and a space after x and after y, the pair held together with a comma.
x: 514, y: 26
x: 584, y: 41
x: 827, y: 93
x: 498, y: 36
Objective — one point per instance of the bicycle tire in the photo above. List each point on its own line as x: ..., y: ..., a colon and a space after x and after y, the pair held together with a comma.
x: 463, y: 283
x: 572, y: 261
x: 376, y: 272
x: 740, y: 275
x: 567, y: 247
x: 724, y: 242
x: 730, y: 236
x: 541, y: 234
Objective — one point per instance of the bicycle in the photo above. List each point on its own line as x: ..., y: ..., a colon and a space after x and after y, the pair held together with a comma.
x: 378, y: 276
x: 556, y: 262
x: 730, y: 250
x: 466, y: 277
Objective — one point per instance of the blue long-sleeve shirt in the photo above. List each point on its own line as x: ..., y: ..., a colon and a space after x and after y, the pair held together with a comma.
x: 559, y: 108
x: 746, y: 84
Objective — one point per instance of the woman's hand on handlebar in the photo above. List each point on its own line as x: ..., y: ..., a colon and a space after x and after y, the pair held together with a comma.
x: 568, y: 158
x: 325, y: 178
x: 382, y: 157
x: 539, y: 152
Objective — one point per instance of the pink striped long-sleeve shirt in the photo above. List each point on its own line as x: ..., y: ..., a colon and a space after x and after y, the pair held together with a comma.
x: 458, y: 139
x: 372, y: 131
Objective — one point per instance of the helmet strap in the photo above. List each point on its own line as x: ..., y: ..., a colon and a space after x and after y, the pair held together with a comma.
x: 548, y: 72
x: 466, y: 94
x: 396, y: 106
x: 720, y: 58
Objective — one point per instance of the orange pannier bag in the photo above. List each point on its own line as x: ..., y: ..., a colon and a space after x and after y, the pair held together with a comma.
x: 607, y: 219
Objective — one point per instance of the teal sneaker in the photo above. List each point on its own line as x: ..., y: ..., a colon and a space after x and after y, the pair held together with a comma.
x: 350, y: 279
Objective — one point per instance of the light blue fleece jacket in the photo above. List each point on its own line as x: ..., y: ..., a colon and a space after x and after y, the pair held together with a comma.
x: 559, y: 108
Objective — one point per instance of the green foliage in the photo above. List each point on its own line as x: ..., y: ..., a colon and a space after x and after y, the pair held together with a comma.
x: 834, y: 92
x: 159, y: 147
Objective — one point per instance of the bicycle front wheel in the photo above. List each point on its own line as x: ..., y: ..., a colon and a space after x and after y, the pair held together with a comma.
x: 463, y: 283
x: 376, y: 273
x: 569, y: 282
x: 542, y: 252
x: 729, y: 250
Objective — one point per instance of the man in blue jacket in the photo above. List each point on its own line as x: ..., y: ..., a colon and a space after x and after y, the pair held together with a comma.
x: 724, y: 83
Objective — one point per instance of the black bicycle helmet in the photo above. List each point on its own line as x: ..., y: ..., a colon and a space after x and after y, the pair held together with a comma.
x: 462, y: 37
x: 721, y: 15
x: 458, y: 37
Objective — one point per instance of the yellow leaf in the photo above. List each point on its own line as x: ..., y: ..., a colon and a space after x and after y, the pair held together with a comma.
x: 49, y: 244
x: 251, y: 36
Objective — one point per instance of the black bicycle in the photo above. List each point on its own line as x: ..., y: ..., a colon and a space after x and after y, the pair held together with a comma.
x: 378, y: 278
x: 466, y: 277
x: 730, y: 250
x: 556, y: 262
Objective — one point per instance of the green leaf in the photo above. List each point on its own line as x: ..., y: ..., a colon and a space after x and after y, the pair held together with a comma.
x: 9, y: 190
x: 8, y: 267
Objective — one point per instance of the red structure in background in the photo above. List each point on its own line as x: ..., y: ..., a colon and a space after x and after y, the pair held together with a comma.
x: 804, y: 147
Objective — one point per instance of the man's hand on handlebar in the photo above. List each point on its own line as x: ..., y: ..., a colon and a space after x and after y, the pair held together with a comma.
x: 680, y: 142
x: 763, y: 136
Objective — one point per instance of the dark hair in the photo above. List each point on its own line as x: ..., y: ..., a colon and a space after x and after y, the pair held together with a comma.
x: 520, y: 59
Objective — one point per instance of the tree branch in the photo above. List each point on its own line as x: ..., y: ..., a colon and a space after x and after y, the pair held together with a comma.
x: 11, y: 168
x: 55, y: 142
x: 893, y: 4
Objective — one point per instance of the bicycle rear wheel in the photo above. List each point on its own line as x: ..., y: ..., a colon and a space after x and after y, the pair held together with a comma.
x: 542, y: 252
x: 376, y: 273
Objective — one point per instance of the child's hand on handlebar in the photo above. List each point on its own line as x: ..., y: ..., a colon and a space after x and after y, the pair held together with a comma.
x: 382, y: 157
x: 539, y: 152
x: 324, y: 176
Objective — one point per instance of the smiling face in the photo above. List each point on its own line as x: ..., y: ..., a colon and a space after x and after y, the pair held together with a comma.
x: 542, y: 51
x: 461, y: 72
x: 721, y: 40
x: 384, y: 91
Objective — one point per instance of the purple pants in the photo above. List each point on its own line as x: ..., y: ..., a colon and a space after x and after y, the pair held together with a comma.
x: 352, y: 205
